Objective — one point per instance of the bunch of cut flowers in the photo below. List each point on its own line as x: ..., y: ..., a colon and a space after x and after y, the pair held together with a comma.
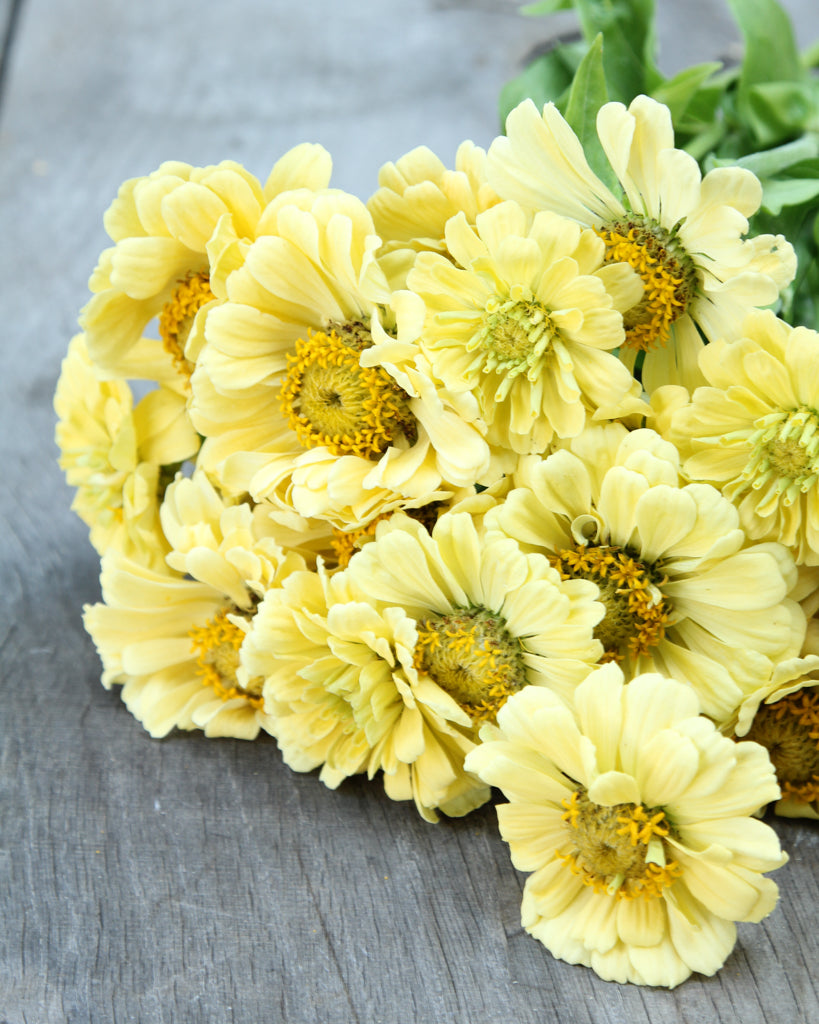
x: 508, y: 476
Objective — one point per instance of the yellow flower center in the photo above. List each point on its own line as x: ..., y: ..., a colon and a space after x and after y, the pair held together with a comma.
x: 217, y: 644
x: 513, y: 339
x: 177, y: 316
x: 668, y: 273
x: 472, y: 656
x: 789, y: 729
x: 636, y: 612
x: 618, y: 850
x: 785, y: 453
x: 332, y: 401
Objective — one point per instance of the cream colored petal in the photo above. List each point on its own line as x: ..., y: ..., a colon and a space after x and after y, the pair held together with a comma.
x: 652, y: 703
x: 612, y: 788
x: 619, y: 495
x: 726, y: 889
x: 667, y: 764
x: 664, y: 515
x: 532, y: 832
x: 676, y: 362
x: 304, y: 166
x: 143, y: 267
x: 747, y: 581
x: 641, y: 922
x: 541, y: 164
x: 599, y: 706
x: 702, y: 940
x: 752, y: 843
x: 191, y: 213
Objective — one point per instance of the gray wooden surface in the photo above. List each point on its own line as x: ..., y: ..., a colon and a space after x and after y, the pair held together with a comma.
x: 201, y: 881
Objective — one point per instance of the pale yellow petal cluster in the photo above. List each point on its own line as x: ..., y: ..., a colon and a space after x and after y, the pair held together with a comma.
x: 753, y: 430
x: 635, y: 818
x: 174, y: 637
x: 522, y: 316
x: 116, y: 455
x: 684, y: 233
x: 686, y: 593
x: 292, y: 411
x: 411, y: 647
x: 418, y: 194
x: 161, y: 226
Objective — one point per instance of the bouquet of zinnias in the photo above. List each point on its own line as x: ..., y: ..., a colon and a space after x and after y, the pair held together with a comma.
x: 503, y: 478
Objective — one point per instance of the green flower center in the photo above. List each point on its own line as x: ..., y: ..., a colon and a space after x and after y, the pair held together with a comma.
x: 471, y: 654
x: 785, y: 452
x: 513, y: 339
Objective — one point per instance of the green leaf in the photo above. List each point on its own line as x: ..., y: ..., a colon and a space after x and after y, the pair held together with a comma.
x: 628, y: 43
x: 788, y: 192
x: 783, y: 109
x: 770, y: 53
x: 678, y: 92
x: 810, y: 55
x: 546, y: 7
x: 587, y: 96
x: 548, y: 77
x: 771, y: 162
x: 704, y: 142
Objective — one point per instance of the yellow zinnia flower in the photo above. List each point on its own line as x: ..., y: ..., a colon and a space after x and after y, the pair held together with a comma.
x: 173, y: 637
x: 291, y: 411
x: 634, y: 816
x: 424, y: 636
x: 754, y: 431
x: 117, y: 455
x: 682, y: 232
x: 685, y: 593
x: 161, y: 226
x: 418, y: 194
x: 522, y: 316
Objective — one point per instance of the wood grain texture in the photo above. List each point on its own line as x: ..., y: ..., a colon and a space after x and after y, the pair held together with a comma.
x: 201, y: 881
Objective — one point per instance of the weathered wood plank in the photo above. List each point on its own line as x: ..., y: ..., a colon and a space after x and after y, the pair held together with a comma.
x: 191, y: 880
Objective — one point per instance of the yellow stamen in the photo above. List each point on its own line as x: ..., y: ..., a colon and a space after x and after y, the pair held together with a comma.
x: 177, y: 316
x: 331, y: 401
x: 218, y: 643
x: 667, y: 271
x: 789, y: 730
x: 619, y: 849
x: 472, y: 656
x: 636, y: 612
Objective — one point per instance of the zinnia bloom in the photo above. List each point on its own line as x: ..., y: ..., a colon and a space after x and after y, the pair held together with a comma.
x: 424, y: 635
x: 418, y: 194
x: 173, y: 637
x: 159, y: 266
x: 682, y: 232
x: 783, y: 715
x: 685, y: 594
x: 290, y: 411
x: 635, y: 816
x: 117, y: 455
x: 525, y: 322
x: 754, y: 431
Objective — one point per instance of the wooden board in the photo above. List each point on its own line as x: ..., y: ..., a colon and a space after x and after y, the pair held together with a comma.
x: 202, y: 881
